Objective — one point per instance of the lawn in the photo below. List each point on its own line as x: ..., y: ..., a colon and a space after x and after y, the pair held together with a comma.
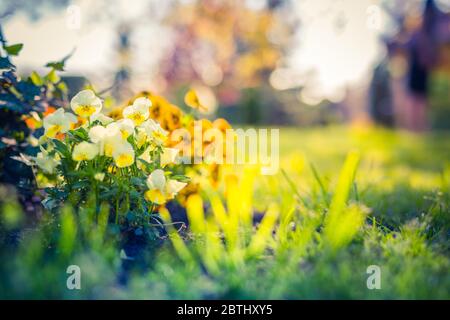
x: 344, y: 199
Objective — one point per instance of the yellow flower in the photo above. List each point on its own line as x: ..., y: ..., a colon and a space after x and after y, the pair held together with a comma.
x: 192, y: 100
x: 154, y: 131
x: 155, y: 196
x: 58, y: 122
x: 140, y: 137
x: 84, y: 151
x: 85, y: 103
x: 139, y: 111
x: 171, y: 115
x: 116, y: 113
x: 159, y: 137
x: 160, y: 188
x: 106, y: 138
x: 126, y: 127
x: 221, y: 124
x: 159, y: 104
x: 123, y: 155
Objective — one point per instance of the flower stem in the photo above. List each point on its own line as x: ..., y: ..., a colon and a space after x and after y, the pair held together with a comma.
x: 117, y: 210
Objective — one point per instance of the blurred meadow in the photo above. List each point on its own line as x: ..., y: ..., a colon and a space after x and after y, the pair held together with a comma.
x: 358, y: 89
x: 403, y: 205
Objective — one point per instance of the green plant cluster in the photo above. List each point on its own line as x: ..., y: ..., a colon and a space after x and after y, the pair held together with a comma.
x: 322, y: 227
x: 22, y: 98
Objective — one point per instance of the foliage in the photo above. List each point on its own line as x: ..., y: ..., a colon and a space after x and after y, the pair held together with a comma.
x: 119, y: 163
x: 174, y: 120
x: 392, y: 212
x: 22, y: 101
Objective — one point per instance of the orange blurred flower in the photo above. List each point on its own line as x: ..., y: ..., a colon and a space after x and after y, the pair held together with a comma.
x: 191, y: 99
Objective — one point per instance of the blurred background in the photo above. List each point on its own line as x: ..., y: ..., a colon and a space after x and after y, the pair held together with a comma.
x: 255, y: 62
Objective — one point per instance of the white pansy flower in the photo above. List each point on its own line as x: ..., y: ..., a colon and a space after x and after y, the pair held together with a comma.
x: 173, y: 187
x: 169, y: 156
x: 154, y: 131
x: 85, y: 103
x: 160, y: 188
x: 111, y: 143
x: 106, y: 138
x: 156, y: 180
x: 142, y: 102
x: 126, y: 127
x: 139, y: 111
x: 58, y: 122
x: 45, y: 162
x: 140, y: 136
x: 97, y: 133
x: 123, y: 154
x: 84, y: 151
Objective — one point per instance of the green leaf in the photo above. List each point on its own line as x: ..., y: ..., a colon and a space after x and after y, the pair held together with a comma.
x: 61, y: 148
x: 181, y: 178
x: 111, y: 192
x: 56, y: 65
x: 135, y: 195
x: 50, y: 204
x: 53, y: 77
x: 81, y: 184
x: 293, y: 187
x: 147, y: 165
x: 13, y: 49
x: 59, y: 65
x: 36, y: 79
x: 80, y: 133
x: 342, y: 222
x: 320, y: 182
x: 138, y: 182
x: 68, y: 231
x: 62, y: 86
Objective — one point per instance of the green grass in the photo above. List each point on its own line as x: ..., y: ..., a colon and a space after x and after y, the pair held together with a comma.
x: 347, y: 198
x: 399, y: 174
